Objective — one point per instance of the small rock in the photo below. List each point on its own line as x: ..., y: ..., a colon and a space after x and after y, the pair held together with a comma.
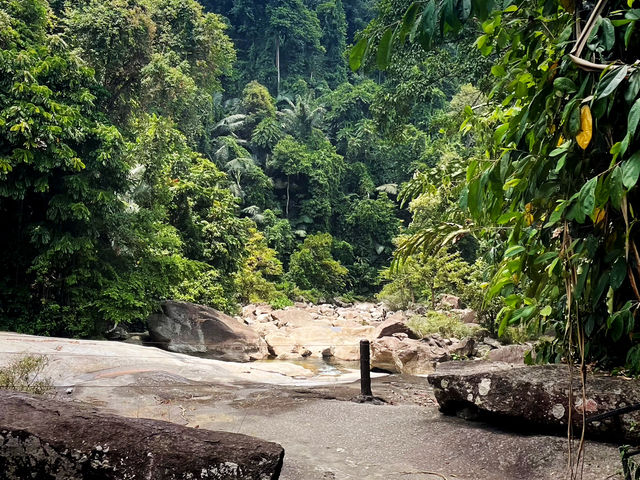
x: 118, y: 332
x: 482, y: 349
x: 492, y: 342
x: 450, y: 301
x: 463, y: 348
x: 466, y: 315
x: 400, y: 335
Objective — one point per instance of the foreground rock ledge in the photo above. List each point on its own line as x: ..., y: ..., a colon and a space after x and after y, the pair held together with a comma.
x: 537, y: 396
x: 46, y: 439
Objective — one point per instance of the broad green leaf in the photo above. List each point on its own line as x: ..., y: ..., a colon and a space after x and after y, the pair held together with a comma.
x: 514, y: 182
x: 383, y: 57
x: 546, y: 311
x: 608, y: 34
x: 498, y: 71
x: 634, y: 118
x: 632, y: 14
x: 616, y: 190
x: 611, y: 81
x: 481, y: 8
x: 564, y: 84
x: 634, y: 87
x: 616, y: 327
x: 524, y: 313
x: 504, y: 323
x: 628, y: 32
x: 631, y: 171
x: 589, y: 325
x: 574, y: 126
x: 603, y: 283
x: 357, y: 53
x: 545, y: 257
x: 513, y: 251
x: 408, y: 22
x: 428, y: 25
x: 587, y: 196
x: 618, y: 273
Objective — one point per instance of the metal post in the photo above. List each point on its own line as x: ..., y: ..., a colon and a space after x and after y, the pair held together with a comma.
x: 365, y: 369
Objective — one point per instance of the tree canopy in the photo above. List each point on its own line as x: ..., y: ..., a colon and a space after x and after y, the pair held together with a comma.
x: 224, y: 152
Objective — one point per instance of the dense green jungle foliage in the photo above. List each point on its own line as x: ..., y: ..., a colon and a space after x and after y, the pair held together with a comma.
x: 218, y: 153
x: 230, y: 152
x: 553, y: 192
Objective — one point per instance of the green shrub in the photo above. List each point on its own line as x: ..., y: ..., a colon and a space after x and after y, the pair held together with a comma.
x: 422, y: 278
x: 438, y: 322
x: 280, y: 302
x: 313, y: 267
x: 25, y: 375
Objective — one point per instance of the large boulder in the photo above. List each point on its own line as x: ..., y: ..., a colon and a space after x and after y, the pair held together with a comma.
x: 393, y: 325
x: 46, y: 439
x: 399, y: 354
x: 195, y: 329
x: 510, y: 353
x: 292, y: 317
x: 537, y: 395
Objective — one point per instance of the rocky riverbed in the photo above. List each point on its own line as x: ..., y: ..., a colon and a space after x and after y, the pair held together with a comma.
x: 327, y: 332
x: 324, y: 434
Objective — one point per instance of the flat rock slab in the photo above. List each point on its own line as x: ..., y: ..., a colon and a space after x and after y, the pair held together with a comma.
x: 537, y: 395
x: 47, y: 439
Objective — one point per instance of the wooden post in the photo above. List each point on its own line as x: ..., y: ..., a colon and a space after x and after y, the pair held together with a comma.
x: 365, y: 369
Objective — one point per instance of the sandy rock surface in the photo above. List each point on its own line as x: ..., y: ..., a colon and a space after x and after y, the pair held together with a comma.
x: 315, y: 331
x: 325, y: 436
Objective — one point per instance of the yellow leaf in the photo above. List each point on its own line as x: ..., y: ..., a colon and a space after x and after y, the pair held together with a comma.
x: 528, y: 218
x: 560, y: 140
x: 598, y: 215
x: 528, y: 207
x: 586, y: 128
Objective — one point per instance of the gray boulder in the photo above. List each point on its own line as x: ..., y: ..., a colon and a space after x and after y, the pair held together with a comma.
x: 405, y: 355
x: 46, y: 439
x: 463, y: 348
x: 392, y: 326
x: 203, y: 331
x: 510, y: 353
x: 537, y: 395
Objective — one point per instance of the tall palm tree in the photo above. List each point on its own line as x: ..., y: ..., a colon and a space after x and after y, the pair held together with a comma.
x: 302, y: 116
x: 237, y: 168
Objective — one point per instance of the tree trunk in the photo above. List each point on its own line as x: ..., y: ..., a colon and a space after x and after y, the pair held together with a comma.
x: 278, y: 62
x: 287, y: 207
x: 433, y: 294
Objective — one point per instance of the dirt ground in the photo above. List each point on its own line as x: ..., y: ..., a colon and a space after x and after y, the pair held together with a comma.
x: 325, y: 435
